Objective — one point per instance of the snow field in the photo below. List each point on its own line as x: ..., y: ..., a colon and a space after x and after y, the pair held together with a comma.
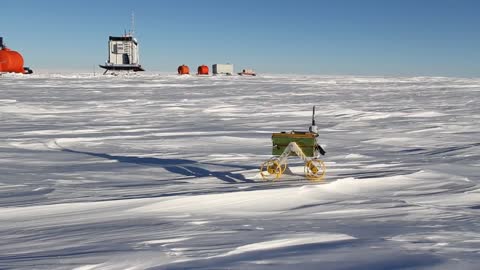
x: 161, y: 172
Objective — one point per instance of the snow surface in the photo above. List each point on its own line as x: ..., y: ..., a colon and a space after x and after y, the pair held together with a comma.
x: 161, y: 172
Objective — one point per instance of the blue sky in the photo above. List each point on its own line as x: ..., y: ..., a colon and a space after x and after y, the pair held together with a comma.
x: 336, y: 37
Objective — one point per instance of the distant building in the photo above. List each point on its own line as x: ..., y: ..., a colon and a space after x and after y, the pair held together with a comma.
x: 123, y: 54
x: 226, y: 69
x: 247, y: 72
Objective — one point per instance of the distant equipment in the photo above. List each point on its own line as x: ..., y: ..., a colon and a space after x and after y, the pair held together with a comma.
x: 27, y: 70
x: 225, y: 69
x: 11, y: 61
x: 248, y: 72
x: 295, y: 143
x: 183, y: 70
x: 202, y: 70
x: 123, y: 53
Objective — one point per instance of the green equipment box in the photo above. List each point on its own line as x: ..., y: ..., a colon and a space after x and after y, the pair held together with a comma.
x: 305, y: 140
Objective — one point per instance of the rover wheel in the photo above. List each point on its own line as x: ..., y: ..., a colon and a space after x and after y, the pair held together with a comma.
x: 315, y: 170
x: 272, y: 170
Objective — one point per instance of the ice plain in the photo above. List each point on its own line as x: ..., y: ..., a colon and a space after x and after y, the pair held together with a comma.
x: 158, y: 171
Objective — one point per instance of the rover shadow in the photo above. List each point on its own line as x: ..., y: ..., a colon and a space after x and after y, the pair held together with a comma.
x: 185, y: 167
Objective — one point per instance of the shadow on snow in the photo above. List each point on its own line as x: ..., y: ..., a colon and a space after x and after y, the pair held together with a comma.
x: 185, y: 167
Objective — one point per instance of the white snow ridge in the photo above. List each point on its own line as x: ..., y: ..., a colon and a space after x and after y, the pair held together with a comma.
x: 162, y: 172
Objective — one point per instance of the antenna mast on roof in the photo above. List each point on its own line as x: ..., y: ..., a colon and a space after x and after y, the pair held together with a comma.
x: 132, y: 30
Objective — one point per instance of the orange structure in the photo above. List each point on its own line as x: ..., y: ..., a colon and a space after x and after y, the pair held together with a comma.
x: 10, y: 61
x: 183, y: 70
x: 202, y: 70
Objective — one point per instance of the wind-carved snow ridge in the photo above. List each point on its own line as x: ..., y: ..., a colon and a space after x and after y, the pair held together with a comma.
x: 288, y: 242
x: 155, y: 171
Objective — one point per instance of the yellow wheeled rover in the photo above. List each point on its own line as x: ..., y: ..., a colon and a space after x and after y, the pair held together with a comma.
x: 295, y: 143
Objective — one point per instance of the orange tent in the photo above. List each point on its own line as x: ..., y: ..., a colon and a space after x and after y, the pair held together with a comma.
x: 11, y: 61
x: 202, y: 70
x: 183, y: 70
